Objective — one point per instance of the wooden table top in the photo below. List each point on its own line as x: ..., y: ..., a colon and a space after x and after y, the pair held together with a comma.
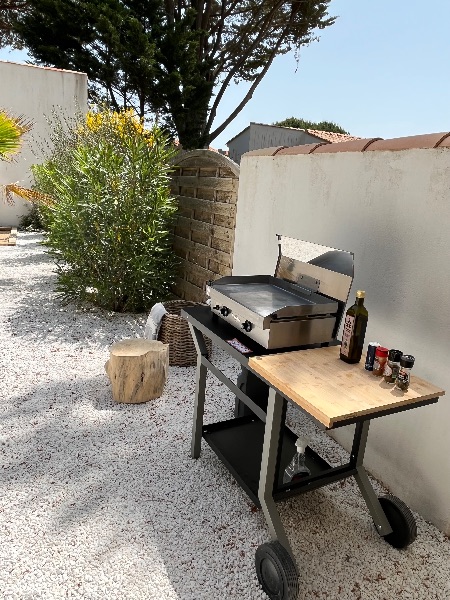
x: 333, y: 391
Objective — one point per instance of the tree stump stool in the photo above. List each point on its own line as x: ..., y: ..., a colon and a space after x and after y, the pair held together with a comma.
x: 137, y: 370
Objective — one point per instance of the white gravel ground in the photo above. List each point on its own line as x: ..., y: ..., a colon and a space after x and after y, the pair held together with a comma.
x: 102, y: 501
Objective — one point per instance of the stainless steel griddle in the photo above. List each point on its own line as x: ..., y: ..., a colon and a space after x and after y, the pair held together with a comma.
x: 300, y: 305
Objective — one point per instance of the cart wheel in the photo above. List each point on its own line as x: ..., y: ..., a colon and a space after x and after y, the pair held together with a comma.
x: 404, y: 528
x: 276, y: 572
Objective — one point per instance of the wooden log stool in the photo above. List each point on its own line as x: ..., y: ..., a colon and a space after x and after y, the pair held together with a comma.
x: 137, y: 369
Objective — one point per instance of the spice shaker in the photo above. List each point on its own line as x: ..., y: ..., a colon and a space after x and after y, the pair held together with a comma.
x: 381, y: 354
x: 392, y: 366
x: 404, y: 373
x: 370, y: 356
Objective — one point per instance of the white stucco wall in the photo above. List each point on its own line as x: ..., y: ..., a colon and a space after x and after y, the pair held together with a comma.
x: 34, y: 92
x: 392, y: 209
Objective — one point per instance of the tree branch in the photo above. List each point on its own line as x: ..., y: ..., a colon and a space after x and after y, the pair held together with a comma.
x: 170, y: 9
x: 113, y: 98
x: 221, y: 25
x: 235, y: 69
x: 250, y: 92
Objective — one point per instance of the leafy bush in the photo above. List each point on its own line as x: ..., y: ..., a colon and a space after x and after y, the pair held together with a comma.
x: 32, y: 220
x: 110, y: 214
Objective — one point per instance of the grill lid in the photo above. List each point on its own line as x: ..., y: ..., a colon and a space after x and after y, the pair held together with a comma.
x: 300, y: 261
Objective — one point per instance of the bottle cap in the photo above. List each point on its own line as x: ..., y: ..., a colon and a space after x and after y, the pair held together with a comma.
x: 407, y: 361
x: 360, y: 294
x: 395, y: 355
x: 301, y: 444
x: 381, y: 351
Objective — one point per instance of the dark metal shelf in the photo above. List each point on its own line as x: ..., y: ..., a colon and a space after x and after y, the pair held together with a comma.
x: 239, y: 442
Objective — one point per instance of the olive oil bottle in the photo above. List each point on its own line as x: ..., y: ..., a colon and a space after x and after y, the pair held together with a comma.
x: 354, y: 330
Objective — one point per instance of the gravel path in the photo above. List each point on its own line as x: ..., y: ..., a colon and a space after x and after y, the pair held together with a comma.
x: 102, y: 501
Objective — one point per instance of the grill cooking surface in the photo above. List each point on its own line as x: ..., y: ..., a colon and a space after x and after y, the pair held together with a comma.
x: 264, y: 298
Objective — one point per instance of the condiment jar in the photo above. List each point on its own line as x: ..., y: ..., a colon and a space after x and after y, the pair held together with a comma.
x: 381, y: 354
x: 370, y: 356
x: 392, y: 366
x: 404, y: 373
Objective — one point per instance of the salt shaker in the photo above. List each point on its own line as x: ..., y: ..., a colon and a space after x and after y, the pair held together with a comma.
x: 404, y: 373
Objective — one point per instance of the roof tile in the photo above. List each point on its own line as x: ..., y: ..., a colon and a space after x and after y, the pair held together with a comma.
x: 331, y: 136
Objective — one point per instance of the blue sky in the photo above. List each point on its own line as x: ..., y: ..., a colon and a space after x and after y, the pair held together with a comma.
x: 381, y: 70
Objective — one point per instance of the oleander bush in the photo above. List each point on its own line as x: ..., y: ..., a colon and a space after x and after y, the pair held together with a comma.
x: 107, y: 207
x: 32, y: 220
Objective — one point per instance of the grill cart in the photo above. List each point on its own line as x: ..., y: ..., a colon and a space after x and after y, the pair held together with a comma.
x: 256, y: 445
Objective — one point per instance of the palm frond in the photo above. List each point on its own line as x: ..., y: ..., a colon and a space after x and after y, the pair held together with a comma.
x: 12, y: 130
x: 27, y: 194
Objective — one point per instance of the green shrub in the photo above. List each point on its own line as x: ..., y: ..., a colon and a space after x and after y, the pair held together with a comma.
x: 32, y: 220
x: 110, y: 216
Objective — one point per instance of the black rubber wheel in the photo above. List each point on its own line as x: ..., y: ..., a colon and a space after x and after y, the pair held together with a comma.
x: 404, y: 528
x: 276, y: 572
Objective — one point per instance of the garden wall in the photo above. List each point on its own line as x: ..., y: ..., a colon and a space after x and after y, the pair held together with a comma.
x: 388, y: 202
x: 34, y: 92
x: 205, y: 184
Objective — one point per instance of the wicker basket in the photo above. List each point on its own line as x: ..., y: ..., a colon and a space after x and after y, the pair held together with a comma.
x: 175, y: 331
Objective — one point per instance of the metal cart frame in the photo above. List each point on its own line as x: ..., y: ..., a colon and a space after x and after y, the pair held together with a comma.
x: 277, y: 440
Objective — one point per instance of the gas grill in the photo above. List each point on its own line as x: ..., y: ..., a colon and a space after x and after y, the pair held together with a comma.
x: 306, y: 296
x: 302, y: 304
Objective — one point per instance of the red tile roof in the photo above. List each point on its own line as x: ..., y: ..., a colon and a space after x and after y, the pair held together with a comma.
x: 331, y: 136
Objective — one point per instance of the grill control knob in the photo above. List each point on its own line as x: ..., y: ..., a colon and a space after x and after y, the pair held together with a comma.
x: 247, y: 326
x: 225, y: 311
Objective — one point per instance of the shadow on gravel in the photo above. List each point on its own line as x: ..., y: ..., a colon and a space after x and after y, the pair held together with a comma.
x: 114, y: 484
x: 110, y: 479
x: 40, y: 316
x: 80, y: 463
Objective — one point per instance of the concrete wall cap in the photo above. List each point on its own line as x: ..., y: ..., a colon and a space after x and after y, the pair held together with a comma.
x: 303, y: 149
x: 445, y: 142
x: 199, y: 157
x: 427, y: 140
x: 359, y: 145
x: 264, y: 151
x: 9, y: 62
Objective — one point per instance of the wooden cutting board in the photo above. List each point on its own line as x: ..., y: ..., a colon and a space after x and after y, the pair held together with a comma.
x: 333, y: 391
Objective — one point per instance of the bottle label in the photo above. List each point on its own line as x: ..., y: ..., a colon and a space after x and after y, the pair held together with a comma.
x: 403, y: 376
x: 402, y: 381
x: 349, y: 326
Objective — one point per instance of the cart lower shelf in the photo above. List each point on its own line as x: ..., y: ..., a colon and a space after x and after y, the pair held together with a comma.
x: 239, y: 443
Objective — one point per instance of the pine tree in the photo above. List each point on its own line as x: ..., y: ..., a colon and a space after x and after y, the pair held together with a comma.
x: 9, y: 10
x: 174, y: 58
x: 304, y: 124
